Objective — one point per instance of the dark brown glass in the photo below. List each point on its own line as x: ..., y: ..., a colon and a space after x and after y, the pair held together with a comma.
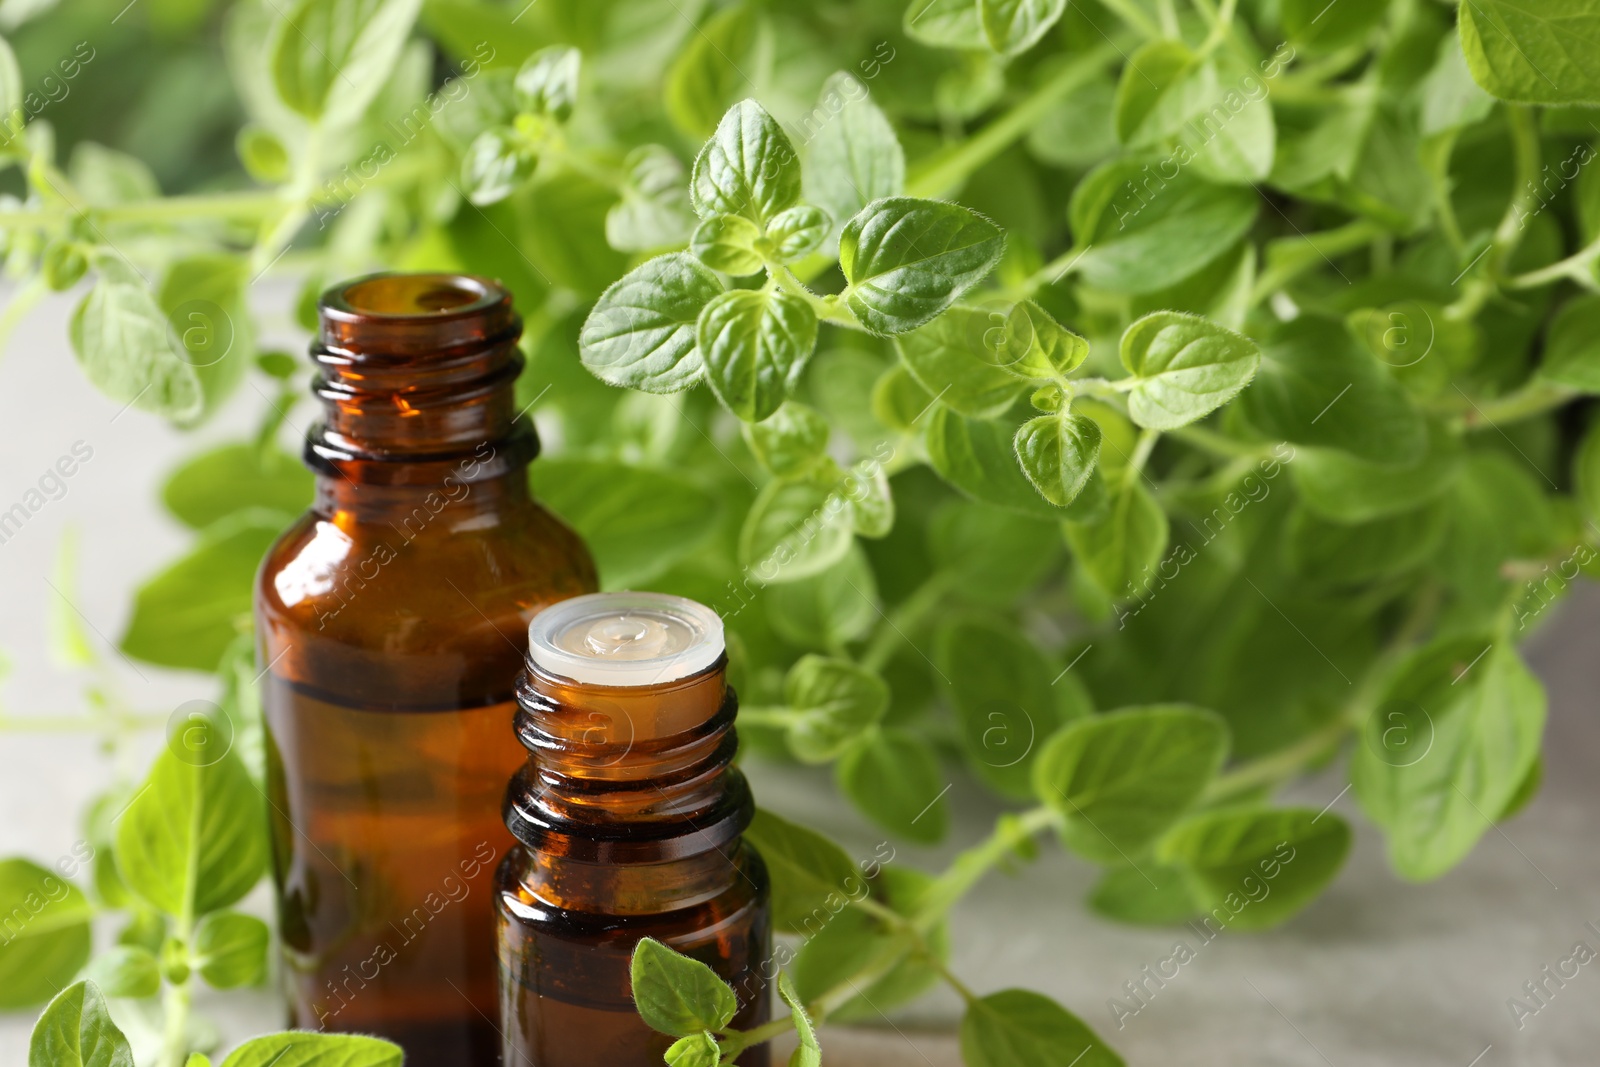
x: 391, y: 621
x: 628, y: 815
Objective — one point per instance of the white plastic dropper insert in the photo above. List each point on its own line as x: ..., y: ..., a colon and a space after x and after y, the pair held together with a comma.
x: 625, y: 639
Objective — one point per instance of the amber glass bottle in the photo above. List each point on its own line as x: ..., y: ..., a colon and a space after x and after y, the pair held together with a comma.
x: 391, y: 620
x: 628, y: 817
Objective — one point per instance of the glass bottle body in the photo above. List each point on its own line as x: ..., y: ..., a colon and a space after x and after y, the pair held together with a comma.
x: 628, y: 819
x: 389, y: 619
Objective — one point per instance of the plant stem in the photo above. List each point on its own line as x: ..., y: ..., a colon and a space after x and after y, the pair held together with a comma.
x: 1525, y: 153
x: 1278, y: 766
x: 1535, y: 398
x: 1299, y: 254
x: 1573, y: 267
x: 175, y: 1033
x: 971, y: 865
x: 944, y: 173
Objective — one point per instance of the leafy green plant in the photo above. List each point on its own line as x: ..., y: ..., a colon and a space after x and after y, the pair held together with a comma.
x: 1133, y: 405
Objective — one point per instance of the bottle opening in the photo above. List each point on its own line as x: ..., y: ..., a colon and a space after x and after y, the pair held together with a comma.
x: 625, y: 639
x: 414, y: 294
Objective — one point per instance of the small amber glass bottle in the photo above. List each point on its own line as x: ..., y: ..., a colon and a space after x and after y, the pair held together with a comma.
x: 628, y: 816
x: 390, y: 620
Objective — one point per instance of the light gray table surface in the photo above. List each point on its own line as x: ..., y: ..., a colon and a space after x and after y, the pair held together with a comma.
x: 1377, y: 972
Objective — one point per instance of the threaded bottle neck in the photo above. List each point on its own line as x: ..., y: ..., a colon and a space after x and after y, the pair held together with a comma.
x: 417, y: 373
x: 628, y: 774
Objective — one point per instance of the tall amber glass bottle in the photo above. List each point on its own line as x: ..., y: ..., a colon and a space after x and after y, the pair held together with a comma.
x: 628, y: 817
x: 391, y: 620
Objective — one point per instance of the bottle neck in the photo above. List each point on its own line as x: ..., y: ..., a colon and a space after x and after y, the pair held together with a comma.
x: 417, y: 379
x: 638, y: 775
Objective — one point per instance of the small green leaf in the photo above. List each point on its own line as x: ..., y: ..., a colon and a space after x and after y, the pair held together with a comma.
x: 654, y: 211
x: 835, y: 702
x: 907, y: 260
x: 1058, y: 453
x: 1314, y: 23
x: 748, y: 167
x: 727, y: 243
x: 329, y: 58
x: 1014, y: 26
x: 809, y: 1054
x: 809, y: 872
x: 797, y: 232
x: 790, y: 441
x: 1140, y: 234
x: 1317, y: 386
x: 830, y: 608
x: 796, y: 528
x: 1121, y: 549
x: 866, y: 488
x: 641, y: 332
x: 853, y: 157
x: 959, y: 358
x: 1450, y: 740
x: 1147, y: 895
x: 1252, y: 869
x: 1005, y: 704
x: 1186, y: 367
x: 496, y: 165
x: 978, y: 457
x: 1120, y: 780
x: 755, y: 344
x: 122, y: 342
x: 1345, y: 488
x: 46, y: 928
x: 300, y: 1048
x: 127, y: 971
x: 1572, y: 346
x: 230, y: 478
x: 188, y: 614
x: 76, y: 1031
x: 1533, y: 53
x: 1325, y: 553
x: 547, y: 82
x: 230, y: 949
x: 194, y: 839
x: 1037, y: 347
x: 696, y: 1050
x: 1451, y: 100
x: 893, y: 777
x: 1021, y: 1028
x: 945, y: 24
x: 677, y: 995
x: 1163, y: 85
x: 106, y: 177
x: 638, y: 521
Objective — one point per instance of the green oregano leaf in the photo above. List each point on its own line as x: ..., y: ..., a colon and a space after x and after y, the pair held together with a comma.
x: 727, y: 243
x: 1186, y: 367
x: 127, y: 971
x: 1533, y: 53
x: 230, y: 949
x: 790, y: 440
x: 889, y: 775
x: 653, y: 212
x: 1017, y: 1027
x: 1120, y: 780
x: 945, y: 24
x: 796, y: 232
x: 834, y: 702
x: 796, y: 528
x: 809, y: 1054
x: 76, y: 1031
x: 696, y: 1050
x: 640, y: 334
x: 807, y: 870
x: 907, y: 260
x: 329, y: 58
x: 547, y: 83
x: 1058, y: 454
x: 677, y: 995
x: 300, y: 1048
x: 958, y: 358
x: 1014, y: 26
x: 120, y: 336
x: 748, y: 167
x: 497, y: 163
x: 46, y: 932
x: 755, y: 343
x: 1121, y: 548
